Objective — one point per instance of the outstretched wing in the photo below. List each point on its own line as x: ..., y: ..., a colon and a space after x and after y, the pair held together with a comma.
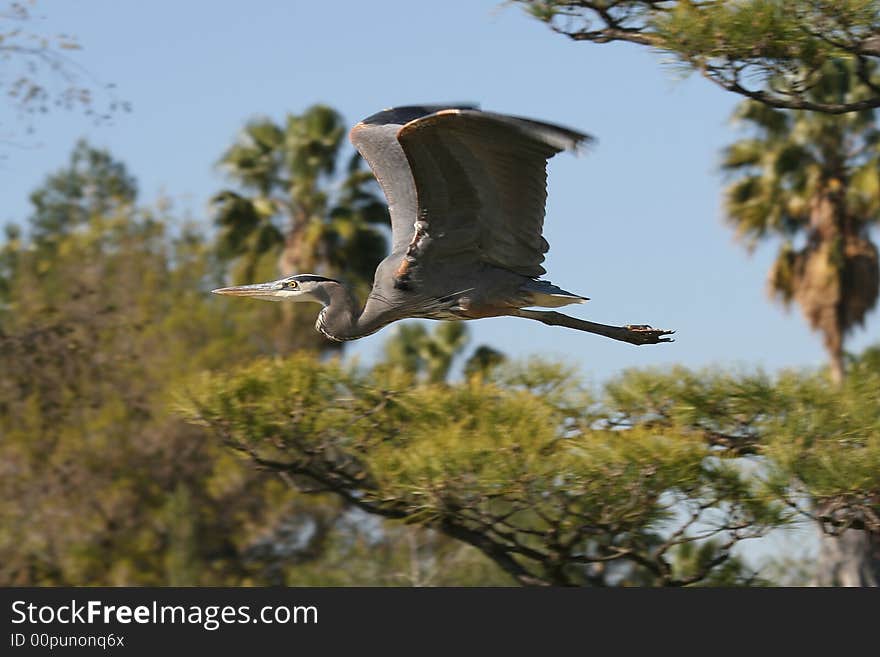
x: 481, y: 185
x: 376, y: 140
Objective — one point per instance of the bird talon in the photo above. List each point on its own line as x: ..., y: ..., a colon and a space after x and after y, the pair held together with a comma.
x: 646, y: 334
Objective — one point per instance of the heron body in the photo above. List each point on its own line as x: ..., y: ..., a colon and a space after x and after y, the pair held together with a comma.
x: 466, y: 192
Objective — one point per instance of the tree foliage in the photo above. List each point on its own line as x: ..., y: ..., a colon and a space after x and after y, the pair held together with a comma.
x: 101, y: 485
x: 91, y: 185
x: 771, y: 51
x: 430, y: 355
x: 554, y: 485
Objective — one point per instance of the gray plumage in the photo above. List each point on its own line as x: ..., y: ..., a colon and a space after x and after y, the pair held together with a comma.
x: 466, y: 191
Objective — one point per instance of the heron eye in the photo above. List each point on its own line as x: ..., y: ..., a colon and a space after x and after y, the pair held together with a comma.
x: 292, y: 285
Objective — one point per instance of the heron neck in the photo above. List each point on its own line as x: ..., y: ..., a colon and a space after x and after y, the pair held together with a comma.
x: 339, y: 320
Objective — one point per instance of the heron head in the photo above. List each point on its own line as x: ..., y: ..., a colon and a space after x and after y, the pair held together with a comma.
x: 298, y: 287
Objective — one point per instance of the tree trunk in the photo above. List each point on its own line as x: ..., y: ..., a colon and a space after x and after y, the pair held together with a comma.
x: 851, y: 559
x: 294, y: 258
x: 837, y: 367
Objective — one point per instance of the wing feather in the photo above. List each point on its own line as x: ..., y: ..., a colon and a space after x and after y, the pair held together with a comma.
x: 376, y: 140
x: 480, y: 182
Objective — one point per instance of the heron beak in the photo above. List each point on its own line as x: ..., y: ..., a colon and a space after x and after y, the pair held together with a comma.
x: 255, y: 290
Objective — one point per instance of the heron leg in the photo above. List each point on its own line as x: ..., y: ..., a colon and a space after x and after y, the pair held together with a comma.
x: 637, y: 334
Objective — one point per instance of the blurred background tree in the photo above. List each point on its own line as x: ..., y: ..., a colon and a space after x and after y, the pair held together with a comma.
x: 430, y: 355
x: 294, y: 208
x: 813, y: 179
x: 92, y: 185
x: 102, y: 310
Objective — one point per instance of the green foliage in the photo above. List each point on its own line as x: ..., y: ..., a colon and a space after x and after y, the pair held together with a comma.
x: 751, y: 31
x: 413, y: 349
x: 483, y: 362
x: 429, y: 356
x: 694, y: 557
x: 102, y: 484
x: 653, y: 482
x: 92, y: 185
x: 553, y: 492
x: 772, y: 51
x: 829, y: 442
x: 824, y: 438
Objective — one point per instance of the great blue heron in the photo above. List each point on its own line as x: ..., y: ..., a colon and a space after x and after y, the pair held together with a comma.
x: 466, y: 192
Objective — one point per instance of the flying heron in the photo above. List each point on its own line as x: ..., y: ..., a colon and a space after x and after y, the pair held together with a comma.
x: 466, y: 192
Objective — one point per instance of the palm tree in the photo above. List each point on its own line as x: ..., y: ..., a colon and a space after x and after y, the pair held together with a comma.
x: 483, y: 362
x: 292, y: 203
x: 429, y: 354
x: 813, y: 180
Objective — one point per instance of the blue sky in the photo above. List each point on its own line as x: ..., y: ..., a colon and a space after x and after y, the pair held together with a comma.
x: 635, y: 224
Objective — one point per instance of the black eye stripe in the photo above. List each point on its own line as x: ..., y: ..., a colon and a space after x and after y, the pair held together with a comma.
x: 313, y: 278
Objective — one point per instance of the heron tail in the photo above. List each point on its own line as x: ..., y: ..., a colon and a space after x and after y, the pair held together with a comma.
x: 546, y: 295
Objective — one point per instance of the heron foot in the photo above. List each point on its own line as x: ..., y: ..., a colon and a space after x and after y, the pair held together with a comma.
x: 639, y: 334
